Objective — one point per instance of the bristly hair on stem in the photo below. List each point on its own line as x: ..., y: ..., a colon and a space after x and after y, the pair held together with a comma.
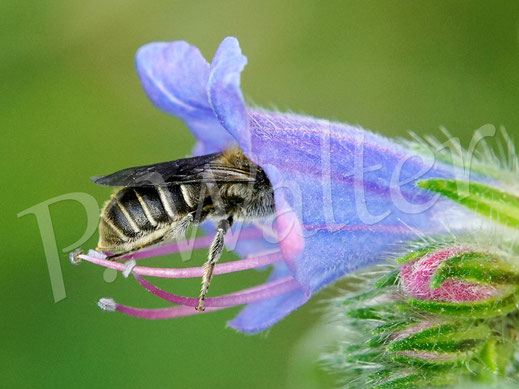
x: 430, y: 322
x: 448, y: 314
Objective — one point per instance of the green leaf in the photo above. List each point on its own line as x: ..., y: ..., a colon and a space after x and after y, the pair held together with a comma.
x: 495, y: 204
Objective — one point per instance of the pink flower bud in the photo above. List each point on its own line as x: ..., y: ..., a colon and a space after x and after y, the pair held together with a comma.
x: 415, y: 280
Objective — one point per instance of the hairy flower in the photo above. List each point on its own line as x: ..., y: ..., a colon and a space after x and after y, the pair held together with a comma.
x: 416, y: 277
x: 443, y: 319
x: 447, y: 316
x: 344, y: 196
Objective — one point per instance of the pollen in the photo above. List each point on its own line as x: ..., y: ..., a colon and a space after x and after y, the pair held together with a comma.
x: 74, y: 256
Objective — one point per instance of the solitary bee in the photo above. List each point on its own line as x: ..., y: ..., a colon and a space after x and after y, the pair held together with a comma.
x: 159, y: 202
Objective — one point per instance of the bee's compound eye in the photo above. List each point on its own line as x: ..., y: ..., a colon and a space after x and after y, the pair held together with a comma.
x: 74, y: 256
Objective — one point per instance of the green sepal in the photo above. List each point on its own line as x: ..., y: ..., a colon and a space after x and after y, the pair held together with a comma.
x: 435, y: 359
x: 475, y: 309
x: 379, y: 340
x: 385, y: 312
x: 393, y: 326
x: 464, y: 343
x: 416, y: 254
x: 388, y: 280
x: 496, y: 355
x: 361, y: 297
x: 444, y: 338
x: 434, y: 376
x: 475, y: 267
x: 364, y: 356
x: 492, y: 203
x: 402, y: 382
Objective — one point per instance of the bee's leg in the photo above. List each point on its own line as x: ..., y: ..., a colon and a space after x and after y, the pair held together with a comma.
x: 214, y: 255
x: 178, y: 228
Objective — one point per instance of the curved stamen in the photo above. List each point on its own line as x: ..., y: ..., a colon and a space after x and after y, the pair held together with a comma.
x: 108, y: 304
x: 245, y: 296
x: 190, y: 272
x: 261, y: 292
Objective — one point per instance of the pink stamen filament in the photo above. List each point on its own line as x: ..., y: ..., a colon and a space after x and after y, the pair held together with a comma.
x: 245, y: 296
x: 161, y: 313
x: 257, y: 293
x: 191, y: 272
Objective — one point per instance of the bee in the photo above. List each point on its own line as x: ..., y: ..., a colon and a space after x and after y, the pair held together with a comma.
x: 158, y: 203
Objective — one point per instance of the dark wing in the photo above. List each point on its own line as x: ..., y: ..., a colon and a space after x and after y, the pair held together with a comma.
x: 205, y: 168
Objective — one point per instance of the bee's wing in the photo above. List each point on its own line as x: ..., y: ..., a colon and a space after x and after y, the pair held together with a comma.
x: 205, y: 168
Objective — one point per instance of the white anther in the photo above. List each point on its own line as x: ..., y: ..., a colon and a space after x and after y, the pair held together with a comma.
x: 74, y: 256
x: 107, y: 304
x: 128, y: 267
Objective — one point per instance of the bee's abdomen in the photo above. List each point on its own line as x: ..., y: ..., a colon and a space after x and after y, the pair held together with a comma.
x: 124, y: 215
x: 172, y: 201
x: 150, y: 206
x: 134, y: 213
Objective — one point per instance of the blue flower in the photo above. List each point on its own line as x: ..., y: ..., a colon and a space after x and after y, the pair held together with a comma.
x: 344, y: 196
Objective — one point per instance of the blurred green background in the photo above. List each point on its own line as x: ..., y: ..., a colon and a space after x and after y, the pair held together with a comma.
x: 72, y: 107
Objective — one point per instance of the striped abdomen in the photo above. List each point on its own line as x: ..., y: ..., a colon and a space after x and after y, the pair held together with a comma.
x: 138, y: 217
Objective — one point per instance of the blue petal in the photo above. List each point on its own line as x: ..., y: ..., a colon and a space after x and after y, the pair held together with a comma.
x: 325, y: 231
x: 261, y: 315
x: 245, y: 239
x: 174, y: 76
x: 326, y: 227
x: 224, y: 91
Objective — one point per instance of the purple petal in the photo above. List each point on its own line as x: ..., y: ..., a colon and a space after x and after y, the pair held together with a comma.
x: 224, y: 91
x: 339, y: 204
x: 174, y: 76
x: 261, y: 315
x: 335, y: 189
